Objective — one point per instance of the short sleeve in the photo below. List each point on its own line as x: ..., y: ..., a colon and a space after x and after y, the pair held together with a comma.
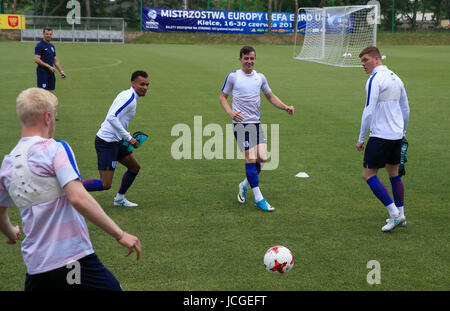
x: 265, y: 85
x: 38, y: 49
x: 229, y: 83
x: 5, y: 169
x: 64, y: 163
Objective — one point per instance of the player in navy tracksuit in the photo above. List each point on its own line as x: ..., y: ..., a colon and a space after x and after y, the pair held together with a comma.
x: 45, y: 58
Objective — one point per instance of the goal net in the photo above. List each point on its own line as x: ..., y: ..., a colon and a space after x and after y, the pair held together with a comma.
x: 335, y: 35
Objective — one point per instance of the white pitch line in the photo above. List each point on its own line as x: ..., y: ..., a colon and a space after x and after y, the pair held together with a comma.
x: 117, y: 62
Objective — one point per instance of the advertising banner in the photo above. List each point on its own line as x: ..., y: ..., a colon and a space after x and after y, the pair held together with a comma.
x: 12, y: 21
x: 156, y: 19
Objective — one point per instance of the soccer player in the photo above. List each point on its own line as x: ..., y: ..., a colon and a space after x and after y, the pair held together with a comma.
x: 108, y: 142
x: 386, y: 113
x: 41, y: 177
x: 246, y: 84
x: 45, y: 58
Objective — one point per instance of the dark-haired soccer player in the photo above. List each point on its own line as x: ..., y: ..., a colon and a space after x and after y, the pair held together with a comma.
x: 45, y: 58
x: 245, y: 85
x: 386, y: 114
x: 108, y: 142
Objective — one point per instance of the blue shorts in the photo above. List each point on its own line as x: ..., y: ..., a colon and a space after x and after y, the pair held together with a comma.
x: 248, y: 135
x: 93, y: 276
x: 45, y: 79
x: 108, y: 153
x: 380, y: 152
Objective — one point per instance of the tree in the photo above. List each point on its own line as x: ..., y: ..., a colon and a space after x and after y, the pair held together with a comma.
x: 15, y: 6
x: 409, y: 10
x: 436, y: 8
x: 88, y: 8
x: 57, y: 7
x: 447, y: 8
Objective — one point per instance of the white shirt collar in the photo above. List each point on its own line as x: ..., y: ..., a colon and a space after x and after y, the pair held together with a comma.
x: 248, y: 74
x: 135, y: 94
x: 379, y: 68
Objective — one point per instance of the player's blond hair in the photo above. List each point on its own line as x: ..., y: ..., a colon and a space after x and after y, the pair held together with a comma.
x: 370, y: 50
x: 32, y: 103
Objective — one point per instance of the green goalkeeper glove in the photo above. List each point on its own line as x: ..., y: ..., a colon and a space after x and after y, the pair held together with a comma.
x: 403, y: 159
x: 139, y: 136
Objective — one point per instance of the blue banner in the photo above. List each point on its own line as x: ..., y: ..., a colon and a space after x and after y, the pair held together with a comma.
x: 155, y: 19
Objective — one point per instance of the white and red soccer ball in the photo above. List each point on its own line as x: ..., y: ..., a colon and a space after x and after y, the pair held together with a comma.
x: 278, y: 259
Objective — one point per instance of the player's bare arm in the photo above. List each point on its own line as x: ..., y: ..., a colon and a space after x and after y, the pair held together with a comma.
x: 360, y: 146
x: 12, y: 233
x: 274, y: 100
x: 234, y: 115
x: 40, y: 62
x: 87, y: 206
x: 58, y: 65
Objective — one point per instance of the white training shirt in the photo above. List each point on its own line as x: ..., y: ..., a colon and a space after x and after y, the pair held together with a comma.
x: 122, y: 110
x: 246, y: 89
x: 55, y: 233
x: 387, y: 109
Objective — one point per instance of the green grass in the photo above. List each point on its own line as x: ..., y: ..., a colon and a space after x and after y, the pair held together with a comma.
x: 195, y: 235
x: 383, y: 38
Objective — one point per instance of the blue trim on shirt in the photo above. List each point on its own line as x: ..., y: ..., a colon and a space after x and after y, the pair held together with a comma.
x: 226, y: 80
x: 69, y: 155
x: 126, y: 104
x: 370, y: 87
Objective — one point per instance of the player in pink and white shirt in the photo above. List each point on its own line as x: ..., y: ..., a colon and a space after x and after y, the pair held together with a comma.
x: 41, y: 177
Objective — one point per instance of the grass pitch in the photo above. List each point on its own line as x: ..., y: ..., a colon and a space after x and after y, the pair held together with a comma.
x: 195, y: 235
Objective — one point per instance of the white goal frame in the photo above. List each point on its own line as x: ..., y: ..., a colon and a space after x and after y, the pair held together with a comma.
x: 336, y: 35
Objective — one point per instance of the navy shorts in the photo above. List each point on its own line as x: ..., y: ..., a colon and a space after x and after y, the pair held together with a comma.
x: 108, y: 153
x: 92, y: 276
x: 45, y: 79
x: 248, y: 135
x: 380, y: 152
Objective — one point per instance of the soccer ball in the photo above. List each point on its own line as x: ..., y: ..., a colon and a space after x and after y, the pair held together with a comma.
x: 278, y: 259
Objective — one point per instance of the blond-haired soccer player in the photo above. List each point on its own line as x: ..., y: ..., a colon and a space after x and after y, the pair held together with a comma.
x: 386, y: 113
x: 41, y: 177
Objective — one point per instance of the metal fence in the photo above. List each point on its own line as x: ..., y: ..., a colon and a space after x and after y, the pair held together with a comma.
x: 81, y: 30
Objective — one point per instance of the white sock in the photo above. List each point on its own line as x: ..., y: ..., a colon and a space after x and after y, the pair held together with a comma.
x: 245, y: 183
x: 258, y: 194
x: 393, y: 210
x: 401, y: 210
x: 119, y: 197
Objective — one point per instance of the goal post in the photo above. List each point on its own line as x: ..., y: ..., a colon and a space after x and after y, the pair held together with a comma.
x: 335, y: 35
